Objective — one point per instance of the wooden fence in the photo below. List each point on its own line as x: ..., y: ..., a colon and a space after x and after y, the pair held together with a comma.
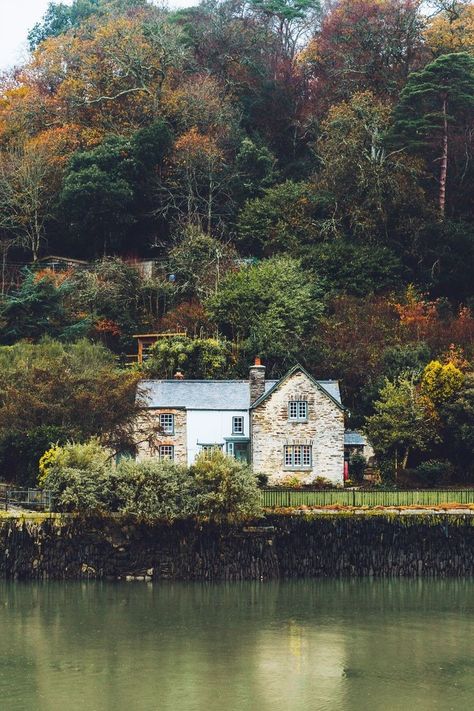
x: 347, y: 497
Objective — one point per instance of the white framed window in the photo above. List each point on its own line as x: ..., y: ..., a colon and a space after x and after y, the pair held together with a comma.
x: 298, y: 456
x: 167, y: 423
x: 238, y: 425
x: 166, y: 451
x: 298, y: 410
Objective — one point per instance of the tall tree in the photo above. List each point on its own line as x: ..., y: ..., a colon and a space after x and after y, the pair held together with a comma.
x: 436, y: 102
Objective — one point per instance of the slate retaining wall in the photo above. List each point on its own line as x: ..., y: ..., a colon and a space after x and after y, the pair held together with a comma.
x: 276, y: 547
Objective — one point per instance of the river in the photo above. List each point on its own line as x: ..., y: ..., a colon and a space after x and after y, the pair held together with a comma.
x: 316, y: 645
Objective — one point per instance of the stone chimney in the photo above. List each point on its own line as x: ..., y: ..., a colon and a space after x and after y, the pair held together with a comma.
x: 256, y: 380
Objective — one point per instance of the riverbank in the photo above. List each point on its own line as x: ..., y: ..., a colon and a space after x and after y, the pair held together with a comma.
x: 278, y: 546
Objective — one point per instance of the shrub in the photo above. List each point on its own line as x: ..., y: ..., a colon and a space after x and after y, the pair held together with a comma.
x: 321, y: 483
x: 80, y: 490
x: 154, y: 489
x: 78, y: 476
x: 226, y: 488
x: 432, y: 472
x: 289, y: 482
x: 90, y: 456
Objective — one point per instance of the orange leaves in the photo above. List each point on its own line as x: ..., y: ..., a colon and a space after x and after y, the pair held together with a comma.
x: 422, y: 320
x: 193, y: 147
x: 107, y: 327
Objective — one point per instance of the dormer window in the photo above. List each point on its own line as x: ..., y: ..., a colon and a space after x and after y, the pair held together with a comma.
x: 298, y: 410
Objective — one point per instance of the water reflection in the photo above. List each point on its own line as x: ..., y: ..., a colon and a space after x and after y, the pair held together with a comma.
x: 322, y: 645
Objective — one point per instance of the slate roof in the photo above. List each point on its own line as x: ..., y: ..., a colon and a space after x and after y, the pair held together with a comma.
x: 352, y: 439
x: 209, y: 394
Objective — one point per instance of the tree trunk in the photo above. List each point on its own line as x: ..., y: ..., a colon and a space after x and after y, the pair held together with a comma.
x: 444, y: 162
x: 405, y: 458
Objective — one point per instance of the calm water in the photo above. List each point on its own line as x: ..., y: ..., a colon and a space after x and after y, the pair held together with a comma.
x: 311, y: 645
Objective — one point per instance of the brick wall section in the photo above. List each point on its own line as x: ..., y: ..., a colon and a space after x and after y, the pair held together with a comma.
x: 177, y: 440
x: 324, y: 430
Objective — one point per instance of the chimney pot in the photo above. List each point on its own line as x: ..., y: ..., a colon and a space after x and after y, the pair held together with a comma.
x: 178, y: 375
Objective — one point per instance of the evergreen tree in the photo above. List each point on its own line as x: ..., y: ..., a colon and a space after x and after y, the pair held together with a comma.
x: 436, y: 101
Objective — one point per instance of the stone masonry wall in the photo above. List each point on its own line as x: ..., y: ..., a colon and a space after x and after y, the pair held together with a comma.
x: 146, y: 450
x: 324, y: 430
x: 69, y: 548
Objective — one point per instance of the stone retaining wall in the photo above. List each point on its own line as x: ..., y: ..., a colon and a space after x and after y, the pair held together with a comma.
x: 277, y: 547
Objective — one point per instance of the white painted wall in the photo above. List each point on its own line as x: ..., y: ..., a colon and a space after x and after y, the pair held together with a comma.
x: 210, y: 427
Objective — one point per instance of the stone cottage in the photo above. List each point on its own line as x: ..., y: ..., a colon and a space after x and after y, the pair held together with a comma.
x: 288, y: 427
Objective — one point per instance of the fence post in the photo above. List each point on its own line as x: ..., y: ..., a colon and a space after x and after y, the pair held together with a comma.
x: 353, y: 497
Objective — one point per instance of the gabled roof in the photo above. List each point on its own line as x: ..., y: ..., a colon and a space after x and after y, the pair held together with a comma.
x: 198, y: 394
x: 327, y: 387
x: 216, y: 394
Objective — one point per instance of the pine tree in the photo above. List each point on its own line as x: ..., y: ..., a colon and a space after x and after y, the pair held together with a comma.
x: 434, y: 102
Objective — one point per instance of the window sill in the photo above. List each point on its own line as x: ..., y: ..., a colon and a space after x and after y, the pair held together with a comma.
x: 297, y: 421
x: 298, y: 469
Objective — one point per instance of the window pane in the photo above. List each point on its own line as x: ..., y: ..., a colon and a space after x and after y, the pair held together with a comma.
x: 306, y: 455
x: 293, y: 410
x: 238, y: 425
x: 297, y: 456
x: 167, y: 423
x: 302, y: 410
x: 288, y: 456
x: 166, y: 451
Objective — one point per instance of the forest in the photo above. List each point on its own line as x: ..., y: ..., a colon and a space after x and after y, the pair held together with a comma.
x: 298, y: 177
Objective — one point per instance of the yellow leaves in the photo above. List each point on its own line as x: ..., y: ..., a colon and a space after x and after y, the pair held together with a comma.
x: 441, y: 381
x: 47, y: 461
x: 444, y: 35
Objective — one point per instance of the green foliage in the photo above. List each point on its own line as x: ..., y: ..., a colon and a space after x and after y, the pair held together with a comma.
x: 227, y: 489
x: 37, y: 309
x: 458, y: 416
x: 419, y: 117
x: 83, y: 478
x: 78, y: 476
x: 198, y: 262
x: 198, y: 358
x: 89, y: 455
x: 98, y: 196
x: 49, y: 391
x: 255, y: 169
x: 354, y: 268
x: 20, y: 451
x: 152, y: 489
x: 109, y: 290
x: 432, y: 472
x: 268, y: 308
x: 402, y: 422
x: 282, y: 220
x: 60, y: 18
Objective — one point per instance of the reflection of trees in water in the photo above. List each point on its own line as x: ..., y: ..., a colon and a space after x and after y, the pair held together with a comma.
x: 247, y: 646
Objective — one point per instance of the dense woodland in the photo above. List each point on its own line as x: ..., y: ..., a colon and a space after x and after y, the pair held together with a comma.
x: 301, y: 173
